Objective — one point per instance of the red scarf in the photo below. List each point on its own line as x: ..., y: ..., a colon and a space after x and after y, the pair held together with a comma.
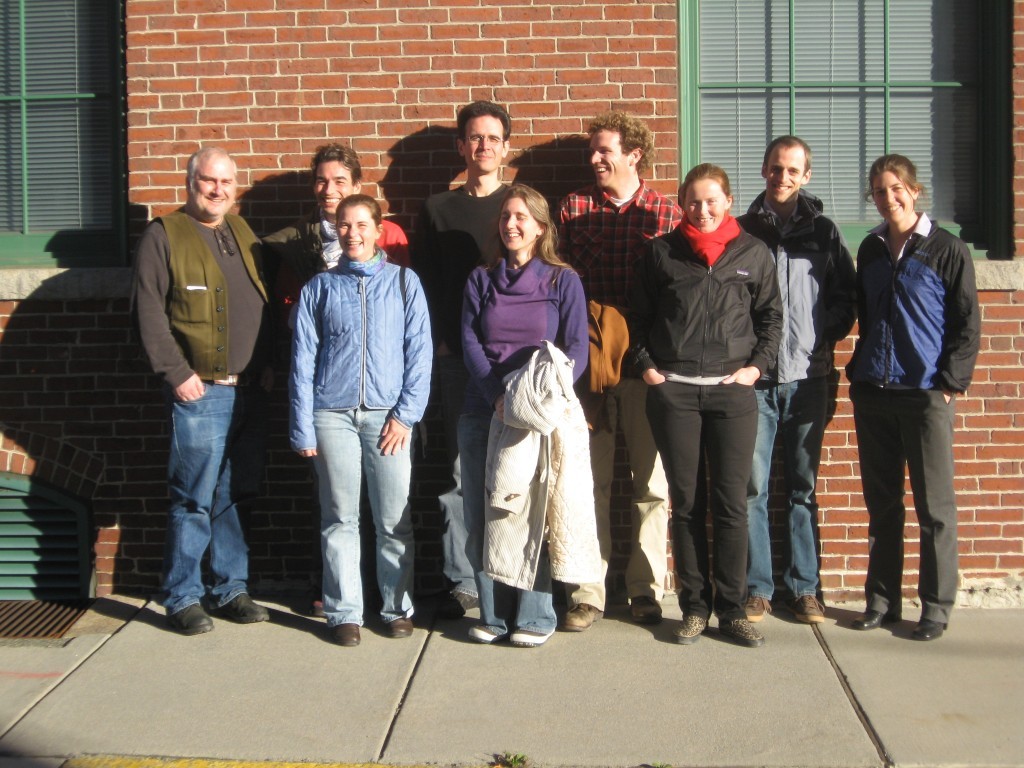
x: 710, y: 245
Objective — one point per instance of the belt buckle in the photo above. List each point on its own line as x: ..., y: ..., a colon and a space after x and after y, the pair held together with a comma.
x: 230, y: 381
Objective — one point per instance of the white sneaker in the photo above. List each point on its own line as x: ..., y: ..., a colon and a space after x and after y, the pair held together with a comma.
x: 530, y: 638
x: 484, y: 634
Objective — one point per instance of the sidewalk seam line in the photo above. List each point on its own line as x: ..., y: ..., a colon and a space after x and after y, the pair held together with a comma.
x: 405, y: 693
x: 38, y: 699
x: 865, y: 721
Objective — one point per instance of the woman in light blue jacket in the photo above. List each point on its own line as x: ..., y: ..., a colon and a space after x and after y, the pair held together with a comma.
x: 360, y: 378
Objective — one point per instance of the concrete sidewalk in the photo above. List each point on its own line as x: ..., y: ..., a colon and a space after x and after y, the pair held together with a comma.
x: 617, y: 695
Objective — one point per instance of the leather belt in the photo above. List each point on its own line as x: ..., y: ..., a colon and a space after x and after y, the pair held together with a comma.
x: 233, y: 380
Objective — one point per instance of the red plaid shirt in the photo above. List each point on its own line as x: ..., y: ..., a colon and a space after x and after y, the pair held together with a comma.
x: 603, y: 243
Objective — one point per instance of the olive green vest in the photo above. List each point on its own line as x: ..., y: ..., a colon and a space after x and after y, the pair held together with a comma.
x: 198, y: 303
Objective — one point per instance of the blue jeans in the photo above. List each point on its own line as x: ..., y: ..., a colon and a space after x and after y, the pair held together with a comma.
x: 797, y: 412
x: 218, y: 449
x: 346, y: 445
x: 453, y: 377
x: 502, y: 608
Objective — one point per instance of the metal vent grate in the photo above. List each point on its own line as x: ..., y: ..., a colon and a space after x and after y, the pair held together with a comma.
x: 44, y: 543
x: 37, y: 619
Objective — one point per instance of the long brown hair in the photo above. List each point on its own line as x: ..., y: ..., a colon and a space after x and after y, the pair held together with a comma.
x: 546, y: 248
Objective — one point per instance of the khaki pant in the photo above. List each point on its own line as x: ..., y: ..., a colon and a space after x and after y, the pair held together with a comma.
x: 648, y: 560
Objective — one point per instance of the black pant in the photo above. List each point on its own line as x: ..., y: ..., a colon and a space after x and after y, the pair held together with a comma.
x: 900, y: 429
x: 723, y: 419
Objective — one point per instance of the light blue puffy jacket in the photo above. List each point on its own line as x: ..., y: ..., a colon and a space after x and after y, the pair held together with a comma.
x: 359, y: 342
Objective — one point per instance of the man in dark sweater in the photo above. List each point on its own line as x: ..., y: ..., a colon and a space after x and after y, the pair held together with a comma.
x: 455, y: 230
x: 202, y: 307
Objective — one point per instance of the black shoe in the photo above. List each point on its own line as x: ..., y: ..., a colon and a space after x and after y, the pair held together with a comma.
x: 874, y: 619
x: 927, y: 629
x: 190, y: 621
x: 242, y: 610
x: 644, y: 610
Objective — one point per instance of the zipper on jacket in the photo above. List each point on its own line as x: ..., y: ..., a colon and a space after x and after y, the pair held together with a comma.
x: 889, y: 346
x: 362, y: 350
x: 707, y: 322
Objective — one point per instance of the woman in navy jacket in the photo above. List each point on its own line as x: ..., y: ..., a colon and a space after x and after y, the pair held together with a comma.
x: 919, y: 336
x: 361, y: 357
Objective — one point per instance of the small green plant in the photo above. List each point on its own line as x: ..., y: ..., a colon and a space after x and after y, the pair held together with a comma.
x: 661, y: 765
x: 511, y: 760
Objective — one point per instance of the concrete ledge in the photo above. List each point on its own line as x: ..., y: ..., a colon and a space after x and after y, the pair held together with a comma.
x: 65, y: 284
x: 115, y: 283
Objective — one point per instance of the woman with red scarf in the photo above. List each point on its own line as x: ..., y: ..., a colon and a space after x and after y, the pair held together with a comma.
x: 705, y: 323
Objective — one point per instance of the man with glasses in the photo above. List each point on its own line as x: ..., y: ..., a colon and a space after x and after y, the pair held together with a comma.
x: 201, y: 303
x: 455, y: 229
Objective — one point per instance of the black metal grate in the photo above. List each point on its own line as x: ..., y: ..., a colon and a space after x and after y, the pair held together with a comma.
x: 38, y: 619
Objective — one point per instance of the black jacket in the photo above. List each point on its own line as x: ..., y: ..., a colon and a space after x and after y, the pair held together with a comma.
x: 694, y: 320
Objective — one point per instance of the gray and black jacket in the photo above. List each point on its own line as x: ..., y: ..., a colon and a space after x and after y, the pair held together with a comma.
x: 817, y: 283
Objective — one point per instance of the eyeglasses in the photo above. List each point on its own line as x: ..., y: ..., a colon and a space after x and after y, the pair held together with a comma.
x: 225, y: 242
x: 491, y: 141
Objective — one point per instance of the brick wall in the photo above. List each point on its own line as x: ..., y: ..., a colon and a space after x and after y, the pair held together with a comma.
x: 270, y: 80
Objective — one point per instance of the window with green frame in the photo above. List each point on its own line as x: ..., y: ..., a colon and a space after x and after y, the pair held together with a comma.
x: 62, y: 185
x: 857, y: 79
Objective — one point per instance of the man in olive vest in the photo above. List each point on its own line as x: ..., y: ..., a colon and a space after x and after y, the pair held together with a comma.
x: 202, y: 309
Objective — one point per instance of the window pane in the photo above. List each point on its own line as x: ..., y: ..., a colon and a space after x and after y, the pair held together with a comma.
x: 933, y: 40
x: 743, y: 40
x: 735, y: 128
x: 846, y: 131
x: 839, y: 41
x: 927, y: 127
x: 68, y: 165
x: 10, y: 50
x: 10, y: 168
x: 67, y: 46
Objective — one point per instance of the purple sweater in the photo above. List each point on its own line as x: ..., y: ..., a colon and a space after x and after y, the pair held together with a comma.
x: 507, y: 313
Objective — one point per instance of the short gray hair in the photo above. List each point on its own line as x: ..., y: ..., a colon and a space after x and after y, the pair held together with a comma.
x: 200, y: 156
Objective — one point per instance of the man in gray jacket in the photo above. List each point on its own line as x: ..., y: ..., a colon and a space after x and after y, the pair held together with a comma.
x: 817, y: 283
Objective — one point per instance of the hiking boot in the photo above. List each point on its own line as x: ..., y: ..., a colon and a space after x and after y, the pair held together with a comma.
x: 757, y: 607
x: 242, y: 610
x: 741, y: 632
x: 807, y: 609
x: 192, y: 620
x: 644, y: 610
x: 691, y: 630
x: 581, y: 617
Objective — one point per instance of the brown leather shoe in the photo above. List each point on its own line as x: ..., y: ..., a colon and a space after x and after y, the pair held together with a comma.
x: 400, y: 627
x: 581, y: 617
x: 644, y: 610
x: 345, y: 634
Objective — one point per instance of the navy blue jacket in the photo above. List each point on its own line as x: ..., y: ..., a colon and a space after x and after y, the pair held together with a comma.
x: 919, y: 319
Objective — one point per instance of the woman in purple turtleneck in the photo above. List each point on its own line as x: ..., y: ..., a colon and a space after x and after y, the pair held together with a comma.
x: 521, y: 297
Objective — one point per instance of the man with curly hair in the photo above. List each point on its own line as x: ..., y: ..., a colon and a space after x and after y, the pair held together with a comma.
x: 603, y: 230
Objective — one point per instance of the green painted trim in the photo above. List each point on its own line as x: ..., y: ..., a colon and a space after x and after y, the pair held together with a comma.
x: 689, y: 93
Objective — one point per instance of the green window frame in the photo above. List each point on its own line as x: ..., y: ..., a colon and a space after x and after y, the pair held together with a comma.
x: 857, y: 79
x: 62, y: 137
